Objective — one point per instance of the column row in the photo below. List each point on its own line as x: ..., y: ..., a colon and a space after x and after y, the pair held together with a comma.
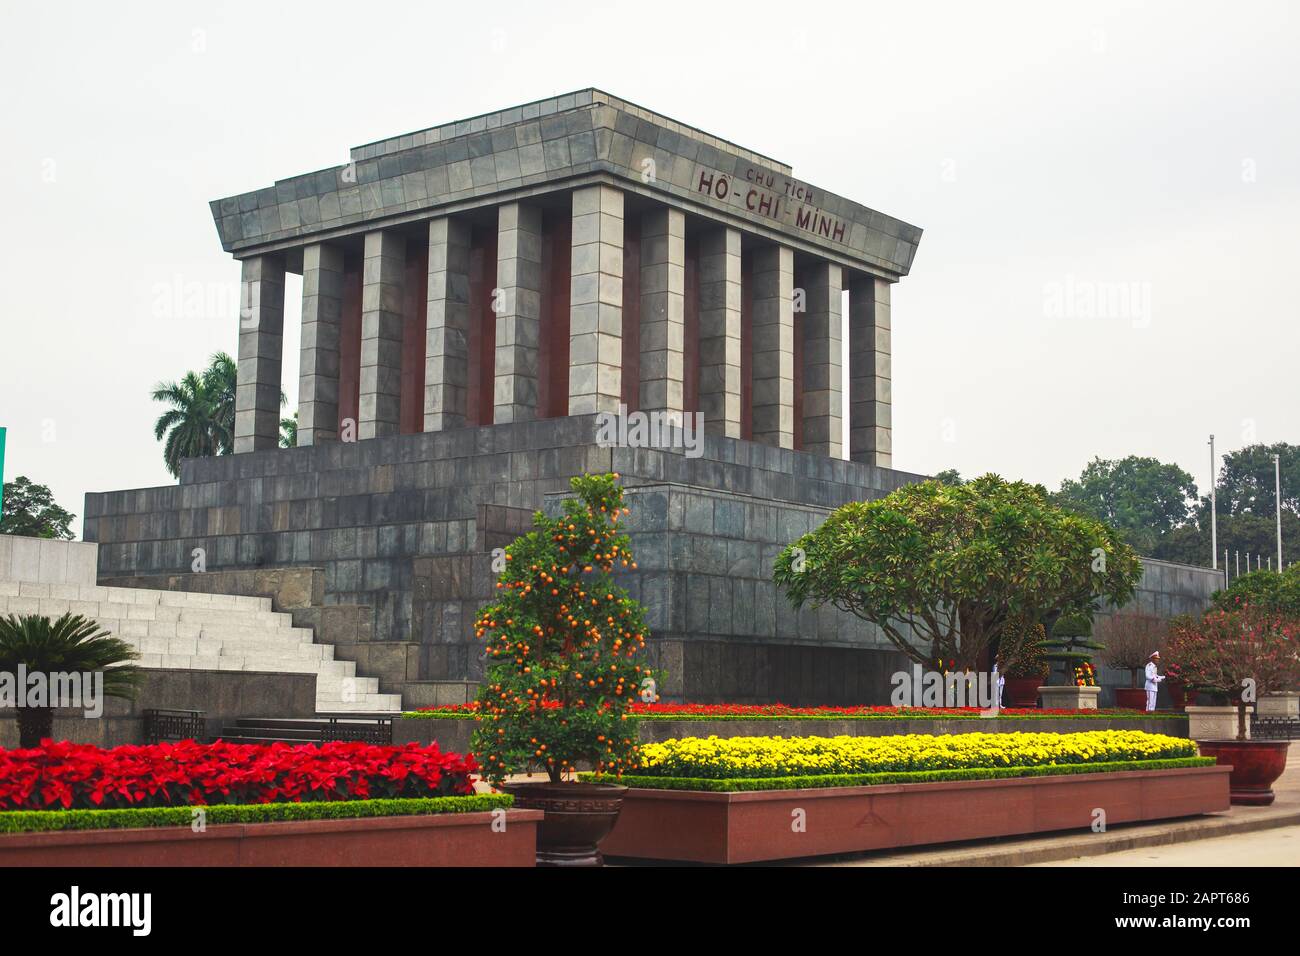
x: 760, y: 332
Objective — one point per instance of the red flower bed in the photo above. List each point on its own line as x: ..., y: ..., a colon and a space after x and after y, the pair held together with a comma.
x: 784, y: 710
x: 187, y: 773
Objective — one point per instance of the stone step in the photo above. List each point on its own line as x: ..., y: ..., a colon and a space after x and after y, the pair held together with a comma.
x: 117, y: 595
x: 198, y: 647
x: 364, y: 703
x: 185, y: 630
x: 116, y: 610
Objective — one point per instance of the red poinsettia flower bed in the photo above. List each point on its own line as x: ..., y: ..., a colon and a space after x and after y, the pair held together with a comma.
x: 785, y: 710
x: 80, y: 776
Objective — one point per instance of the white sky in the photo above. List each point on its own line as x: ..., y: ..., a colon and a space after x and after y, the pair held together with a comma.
x: 1145, y: 151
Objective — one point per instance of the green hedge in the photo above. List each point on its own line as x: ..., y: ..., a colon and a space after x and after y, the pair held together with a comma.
x: 40, y: 821
x: 875, y: 779
x: 1128, y: 715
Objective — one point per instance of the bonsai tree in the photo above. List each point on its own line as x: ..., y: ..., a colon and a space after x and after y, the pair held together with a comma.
x: 1130, y: 637
x: 72, y: 644
x: 1240, y: 654
x: 1071, y: 646
x: 940, y: 568
x: 563, y: 643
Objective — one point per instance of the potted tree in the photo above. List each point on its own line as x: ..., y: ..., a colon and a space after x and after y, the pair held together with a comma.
x: 71, y: 644
x: 563, y: 646
x: 1071, y: 646
x: 1129, y: 638
x: 1238, y: 656
x: 1023, y: 663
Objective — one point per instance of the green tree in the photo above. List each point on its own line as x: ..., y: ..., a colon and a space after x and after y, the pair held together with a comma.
x: 1265, y: 591
x: 1144, y: 499
x: 563, y: 642
x: 29, y: 510
x: 949, y: 476
x: 201, y: 420
x: 190, y: 425
x: 1247, y: 481
x: 70, y: 645
x: 289, y: 431
x: 221, y: 377
x: 1237, y: 534
x: 940, y: 568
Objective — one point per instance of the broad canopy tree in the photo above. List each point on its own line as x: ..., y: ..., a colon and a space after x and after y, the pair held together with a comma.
x: 940, y: 568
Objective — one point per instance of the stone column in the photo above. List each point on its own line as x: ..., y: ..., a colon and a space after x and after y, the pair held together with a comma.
x: 823, y: 420
x: 720, y: 331
x: 318, y: 366
x: 663, y: 310
x: 596, y: 301
x: 773, y: 278
x: 447, y: 325
x: 870, y: 397
x: 381, y: 335
x: 261, y: 345
x: 519, y: 310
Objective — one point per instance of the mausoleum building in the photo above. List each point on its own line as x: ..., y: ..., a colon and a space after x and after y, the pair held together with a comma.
x: 475, y: 296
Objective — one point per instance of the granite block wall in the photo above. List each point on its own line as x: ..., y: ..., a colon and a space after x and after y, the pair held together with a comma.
x: 405, y: 525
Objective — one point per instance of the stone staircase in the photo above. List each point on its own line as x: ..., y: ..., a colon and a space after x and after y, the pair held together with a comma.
x: 183, y: 630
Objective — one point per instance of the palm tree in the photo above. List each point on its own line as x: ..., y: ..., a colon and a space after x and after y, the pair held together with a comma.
x: 191, y: 424
x: 70, y: 645
x: 289, y: 431
x: 201, y: 421
x: 221, y: 378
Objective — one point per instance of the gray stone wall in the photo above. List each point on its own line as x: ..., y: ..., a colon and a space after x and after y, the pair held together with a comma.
x: 222, y: 695
x: 404, y: 525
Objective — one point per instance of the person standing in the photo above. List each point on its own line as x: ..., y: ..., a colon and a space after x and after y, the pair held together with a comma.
x: 1153, y: 681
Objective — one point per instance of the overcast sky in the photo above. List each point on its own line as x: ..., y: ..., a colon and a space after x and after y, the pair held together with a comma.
x: 1110, y: 195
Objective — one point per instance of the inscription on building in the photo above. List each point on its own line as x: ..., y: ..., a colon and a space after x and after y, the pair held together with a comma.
x: 772, y: 196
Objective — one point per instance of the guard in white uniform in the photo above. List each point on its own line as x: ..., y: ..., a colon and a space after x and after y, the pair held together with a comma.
x: 1153, y: 681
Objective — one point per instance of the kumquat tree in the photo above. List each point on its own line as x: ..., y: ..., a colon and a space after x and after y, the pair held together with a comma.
x: 563, y: 644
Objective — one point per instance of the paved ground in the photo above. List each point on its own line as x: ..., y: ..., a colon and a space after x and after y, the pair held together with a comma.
x: 1244, y: 836
x: 1279, y: 847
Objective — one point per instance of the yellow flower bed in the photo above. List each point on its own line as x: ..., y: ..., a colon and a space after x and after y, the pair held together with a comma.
x: 727, y: 757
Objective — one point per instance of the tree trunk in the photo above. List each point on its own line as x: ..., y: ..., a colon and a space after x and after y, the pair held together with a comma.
x: 1241, y: 720
x: 34, y: 725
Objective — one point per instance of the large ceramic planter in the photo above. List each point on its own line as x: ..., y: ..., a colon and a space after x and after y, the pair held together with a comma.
x: 446, y: 839
x: 1255, y: 765
x: 1213, y: 723
x: 1131, y: 698
x: 1179, y: 695
x: 704, y: 827
x: 1069, y: 697
x: 577, y: 817
x: 1021, y: 691
x: 1285, y: 704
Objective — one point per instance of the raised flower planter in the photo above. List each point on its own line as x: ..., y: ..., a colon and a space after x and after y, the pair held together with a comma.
x: 741, y: 800
x: 1213, y: 722
x: 1069, y: 697
x: 448, y: 839
x: 1279, y: 704
x: 749, y: 827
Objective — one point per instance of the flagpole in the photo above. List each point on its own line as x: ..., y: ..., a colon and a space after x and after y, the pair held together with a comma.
x: 1277, y: 501
x: 1214, y: 512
